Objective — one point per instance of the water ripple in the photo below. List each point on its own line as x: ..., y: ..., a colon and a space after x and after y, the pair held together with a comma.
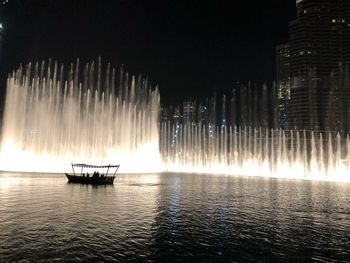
x: 173, y: 218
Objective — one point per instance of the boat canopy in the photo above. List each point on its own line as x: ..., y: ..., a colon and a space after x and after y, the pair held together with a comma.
x: 82, y: 165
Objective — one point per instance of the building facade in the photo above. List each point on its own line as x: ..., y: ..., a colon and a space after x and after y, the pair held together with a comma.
x: 319, y: 54
x: 1, y: 36
x: 283, y: 81
x: 189, y: 111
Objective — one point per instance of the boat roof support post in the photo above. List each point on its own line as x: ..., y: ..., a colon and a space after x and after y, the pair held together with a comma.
x: 108, y: 169
x: 116, y: 170
x: 73, y: 169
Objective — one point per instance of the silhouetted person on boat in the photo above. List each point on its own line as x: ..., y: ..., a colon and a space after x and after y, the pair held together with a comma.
x: 96, y: 174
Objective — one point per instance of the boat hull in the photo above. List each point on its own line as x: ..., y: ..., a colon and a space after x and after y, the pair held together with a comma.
x: 90, y: 180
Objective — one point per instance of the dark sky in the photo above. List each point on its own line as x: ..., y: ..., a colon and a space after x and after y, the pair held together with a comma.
x: 190, y: 48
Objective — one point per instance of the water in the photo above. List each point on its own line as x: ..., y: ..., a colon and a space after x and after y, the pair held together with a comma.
x: 173, y: 218
x: 265, y: 152
x: 54, y: 116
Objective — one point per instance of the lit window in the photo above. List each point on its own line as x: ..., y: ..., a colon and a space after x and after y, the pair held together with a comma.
x: 334, y: 20
x: 343, y: 20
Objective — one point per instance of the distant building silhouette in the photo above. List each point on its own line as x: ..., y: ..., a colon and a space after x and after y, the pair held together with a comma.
x: 202, y: 114
x: 319, y: 51
x: 189, y: 111
x: 1, y: 36
x: 283, y: 82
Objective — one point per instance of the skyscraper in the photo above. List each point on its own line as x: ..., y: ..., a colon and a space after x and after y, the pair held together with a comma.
x: 283, y: 81
x: 189, y: 111
x: 319, y: 46
x: 1, y: 33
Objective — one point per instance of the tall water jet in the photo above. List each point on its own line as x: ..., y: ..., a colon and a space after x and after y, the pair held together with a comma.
x: 197, y: 148
x: 55, y: 116
x: 250, y: 145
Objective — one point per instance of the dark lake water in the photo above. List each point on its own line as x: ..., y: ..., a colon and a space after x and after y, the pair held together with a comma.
x: 173, y: 218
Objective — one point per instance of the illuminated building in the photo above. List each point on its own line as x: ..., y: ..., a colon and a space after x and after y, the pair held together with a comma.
x: 164, y: 114
x: 202, y: 114
x: 1, y: 33
x: 189, y: 111
x: 319, y: 47
x: 283, y: 88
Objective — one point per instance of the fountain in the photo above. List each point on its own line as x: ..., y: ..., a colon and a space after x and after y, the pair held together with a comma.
x: 255, y: 147
x: 255, y: 152
x: 54, y: 117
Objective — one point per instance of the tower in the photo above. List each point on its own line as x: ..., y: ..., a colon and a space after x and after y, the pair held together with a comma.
x: 1, y: 35
x: 319, y: 46
x: 283, y: 87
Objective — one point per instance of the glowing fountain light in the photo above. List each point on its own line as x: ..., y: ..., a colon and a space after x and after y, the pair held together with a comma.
x: 250, y: 151
x: 54, y: 117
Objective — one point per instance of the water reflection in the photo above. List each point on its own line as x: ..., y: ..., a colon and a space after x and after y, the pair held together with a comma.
x: 6, y: 182
x: 245, y: 219
x: 173, y: 218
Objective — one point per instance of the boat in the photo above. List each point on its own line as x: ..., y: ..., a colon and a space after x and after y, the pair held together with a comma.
x: 97, y: 177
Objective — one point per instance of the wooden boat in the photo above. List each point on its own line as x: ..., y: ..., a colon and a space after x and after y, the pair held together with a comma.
x: 96, y: 177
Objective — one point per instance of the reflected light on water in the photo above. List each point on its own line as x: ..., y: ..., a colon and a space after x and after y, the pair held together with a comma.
x: 160, y: 217
x: 7, y: 181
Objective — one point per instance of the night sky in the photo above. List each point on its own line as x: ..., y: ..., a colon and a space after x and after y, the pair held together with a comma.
x: 189, y: 48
